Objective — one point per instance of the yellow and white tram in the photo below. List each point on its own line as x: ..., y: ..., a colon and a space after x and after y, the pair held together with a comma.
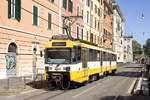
x: 68, y: 63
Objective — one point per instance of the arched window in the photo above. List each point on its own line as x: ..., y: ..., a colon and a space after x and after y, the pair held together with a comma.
x: 12, y: 48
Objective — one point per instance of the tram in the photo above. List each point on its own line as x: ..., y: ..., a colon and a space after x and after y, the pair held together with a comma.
x: 70, y: 63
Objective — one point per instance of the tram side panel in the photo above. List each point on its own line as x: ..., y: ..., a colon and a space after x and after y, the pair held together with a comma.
x: 114, y: 63
x: 94, y: 67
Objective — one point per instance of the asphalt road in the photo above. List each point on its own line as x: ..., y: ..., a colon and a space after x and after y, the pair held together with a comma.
x: 108, y: 88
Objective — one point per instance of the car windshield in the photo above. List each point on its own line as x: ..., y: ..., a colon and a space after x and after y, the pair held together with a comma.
x: 58, y: 56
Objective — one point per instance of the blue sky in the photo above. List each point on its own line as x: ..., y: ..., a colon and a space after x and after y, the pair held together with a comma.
x: 134, y: 25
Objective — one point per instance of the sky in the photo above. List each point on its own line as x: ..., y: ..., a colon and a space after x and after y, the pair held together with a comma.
x: 134, y: 25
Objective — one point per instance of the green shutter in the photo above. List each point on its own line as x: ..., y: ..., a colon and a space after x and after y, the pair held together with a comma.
x: 35, y: 15
x: 18, y: 9
x: 65, y: 4
x: 70, y: 5
x: 52, y: 1
x: 49, y: 21
x: 9, y: 8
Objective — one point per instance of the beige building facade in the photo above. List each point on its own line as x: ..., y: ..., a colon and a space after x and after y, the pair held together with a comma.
x: 118, y: 30
x: 128, y: 52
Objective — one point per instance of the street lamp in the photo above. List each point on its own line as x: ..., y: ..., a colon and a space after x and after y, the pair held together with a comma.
x: 142, y: 16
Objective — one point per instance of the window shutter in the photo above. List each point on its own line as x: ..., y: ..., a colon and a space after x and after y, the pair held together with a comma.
x: 9, y: 8
x: 71, y: 6
x: 49, y: 21
x: 52, y: 1
x: 18, y: 9
x: 35, y: 15
x: 65, y: 4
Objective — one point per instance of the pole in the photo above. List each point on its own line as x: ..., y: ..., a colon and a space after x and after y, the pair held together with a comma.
x: 34, y: 63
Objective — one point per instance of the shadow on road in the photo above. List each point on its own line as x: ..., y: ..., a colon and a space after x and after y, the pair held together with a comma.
x: 45, y: 85
x: 133, y: 67
x: 128, y: 74
x: 125, y: 98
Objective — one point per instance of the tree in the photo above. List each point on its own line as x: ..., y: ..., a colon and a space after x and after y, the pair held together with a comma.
x: 147, y: 47
x: 136, y: 47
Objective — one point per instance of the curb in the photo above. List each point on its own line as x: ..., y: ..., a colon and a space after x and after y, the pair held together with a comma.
x: 132, y: 87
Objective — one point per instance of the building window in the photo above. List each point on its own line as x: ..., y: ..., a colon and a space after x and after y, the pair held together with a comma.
x: 14, y: 9
x: 77, y: 31
x: 99, y: 12
x: 82, y: 32
x: 49, y: 21
x: 78, y: 10
x: 88, y: 3
x: 82, y: 13
x: 91, y: 20
x: 101, y: 2
x: 91, y: 5
x: 70, y: 5
x: 65, y: 4
x: 87, y: 16
x: 104, y: 16
x: 52, y: 1
x: 95, y: 8
x: 91, y: 38
x: 87, y: 35
x: 35, y: 15
x: 95, y: 23
x: 98, y: 25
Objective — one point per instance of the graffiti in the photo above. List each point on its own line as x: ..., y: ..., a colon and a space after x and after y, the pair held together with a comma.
x: 11, y: 64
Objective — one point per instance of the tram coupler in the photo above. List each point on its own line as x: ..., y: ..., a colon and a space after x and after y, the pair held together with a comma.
x: 57, y: 79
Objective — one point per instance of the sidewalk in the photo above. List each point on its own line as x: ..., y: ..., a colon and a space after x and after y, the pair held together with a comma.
x: 16, y: 85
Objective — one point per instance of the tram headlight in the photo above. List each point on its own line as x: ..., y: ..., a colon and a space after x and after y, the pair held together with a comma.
x: 68, y: 68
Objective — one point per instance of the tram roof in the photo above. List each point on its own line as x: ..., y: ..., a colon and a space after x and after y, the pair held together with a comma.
x: 79, y: 42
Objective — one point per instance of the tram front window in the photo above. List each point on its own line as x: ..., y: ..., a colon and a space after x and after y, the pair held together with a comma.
x: 58, y: 56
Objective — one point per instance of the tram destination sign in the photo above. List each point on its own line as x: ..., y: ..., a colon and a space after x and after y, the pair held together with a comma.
x: 59, y: 44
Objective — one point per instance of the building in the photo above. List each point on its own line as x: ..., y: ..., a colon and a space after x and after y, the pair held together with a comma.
x: 118, y: 29
x: 128, y: 53
x: 73, y: 10
x: 25, y: 28
x: 93, y: 21
x: 107, y: 41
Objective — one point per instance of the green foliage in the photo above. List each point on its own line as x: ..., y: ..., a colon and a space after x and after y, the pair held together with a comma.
x: 147, y: 47
x: 136, y: 47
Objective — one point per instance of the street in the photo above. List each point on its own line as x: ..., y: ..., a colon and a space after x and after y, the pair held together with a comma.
x: 109, y: 87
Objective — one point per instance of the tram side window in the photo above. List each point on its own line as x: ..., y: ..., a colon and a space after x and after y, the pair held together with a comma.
x: 113, y: 57
x: 110, y: 57
x: 90, y: 55
x: 105, y: 56
x: 76, y: 54
x: 98, y: 55
x: 93, y: 55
